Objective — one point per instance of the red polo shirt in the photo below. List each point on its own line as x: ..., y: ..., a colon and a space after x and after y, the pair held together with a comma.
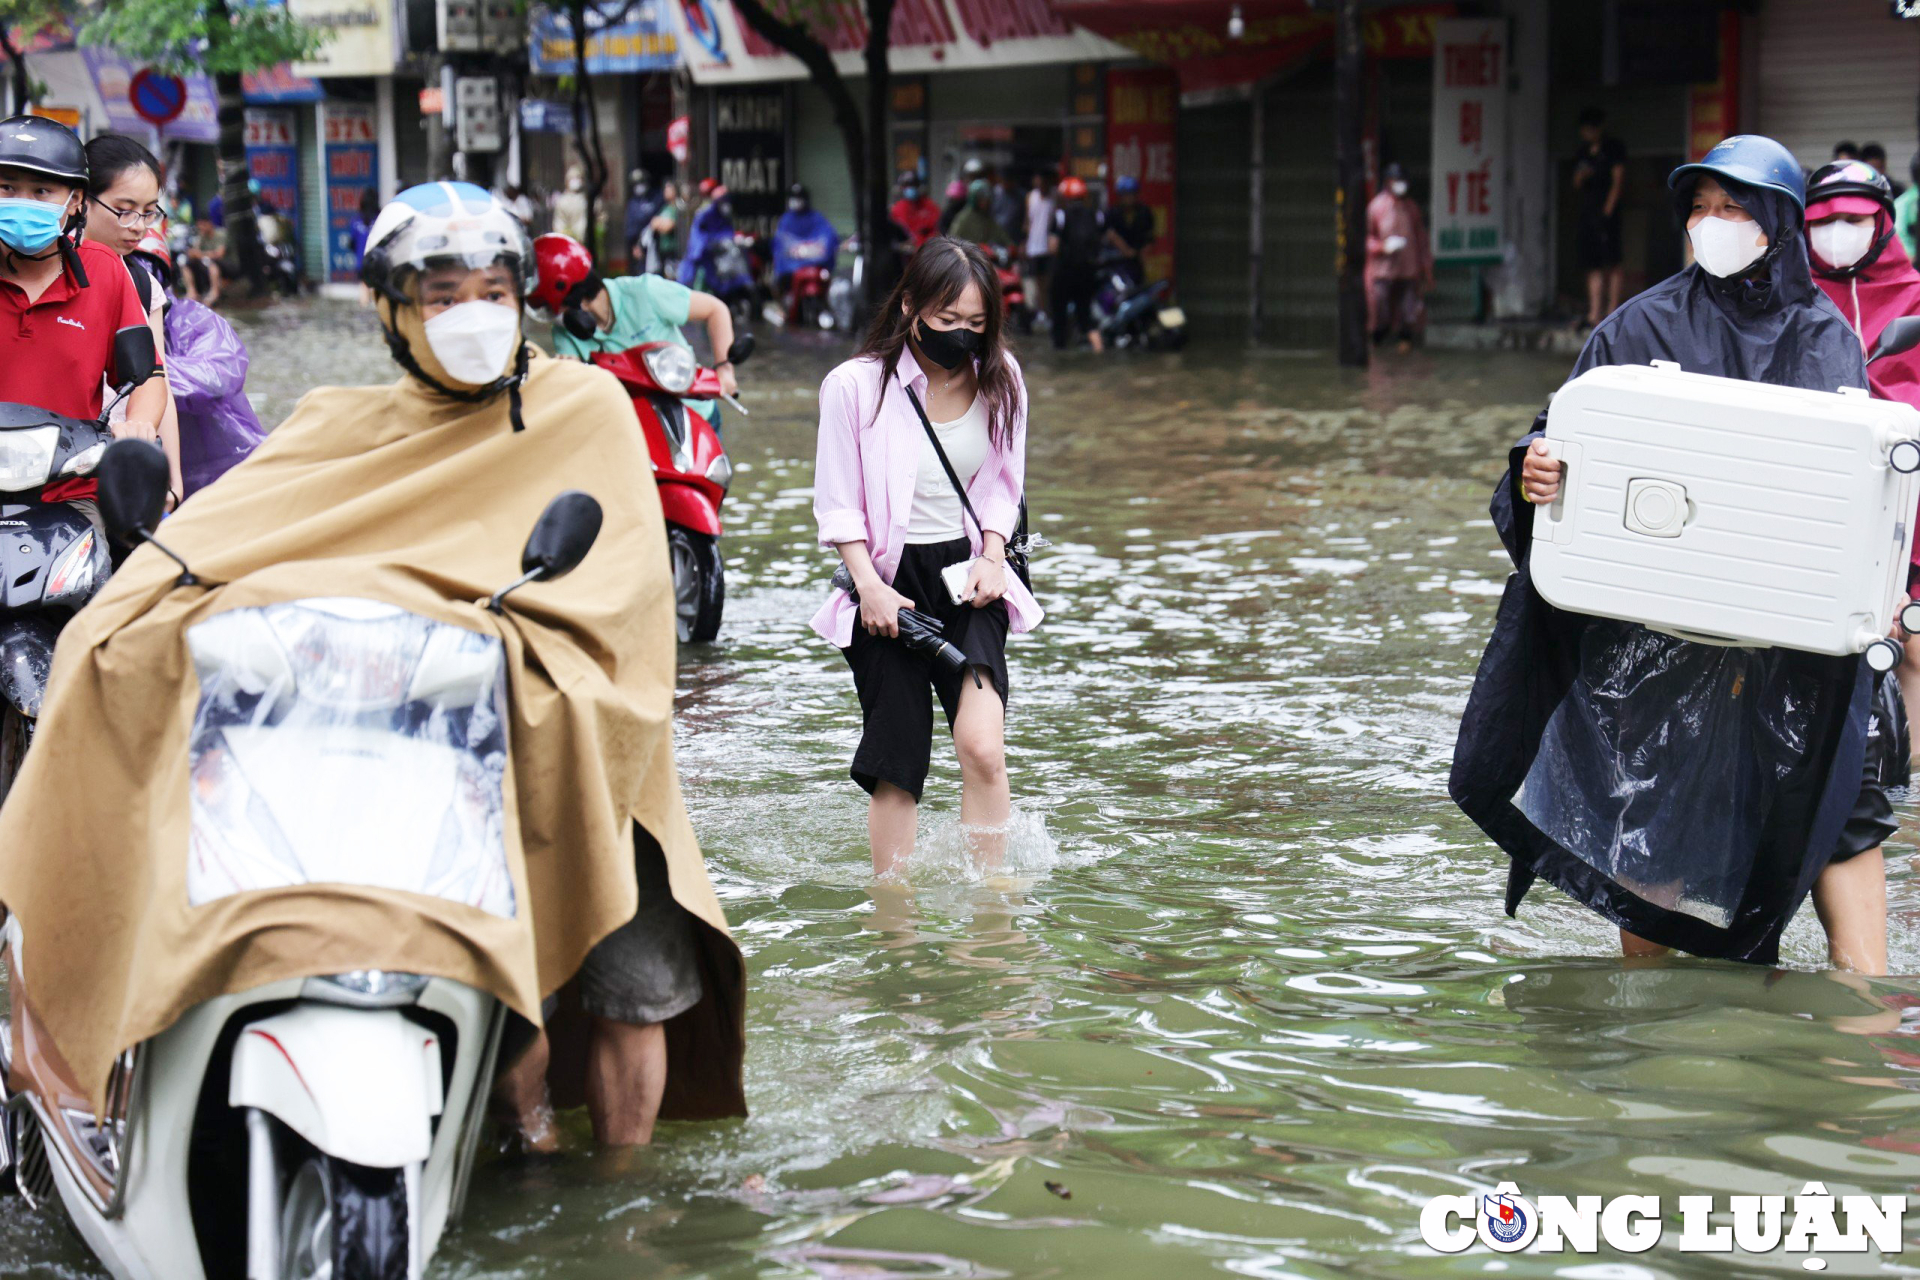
x: 56, y: 351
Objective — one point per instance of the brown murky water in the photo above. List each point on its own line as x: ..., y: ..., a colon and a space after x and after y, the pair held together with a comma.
x: 1247, y: 998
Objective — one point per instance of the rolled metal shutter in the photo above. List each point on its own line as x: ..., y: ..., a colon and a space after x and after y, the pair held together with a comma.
x: 1834, y: 69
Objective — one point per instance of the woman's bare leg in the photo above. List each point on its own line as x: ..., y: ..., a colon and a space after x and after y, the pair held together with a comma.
x: 979, y: 736
x: 892, y: 816
x: 1851, y: 899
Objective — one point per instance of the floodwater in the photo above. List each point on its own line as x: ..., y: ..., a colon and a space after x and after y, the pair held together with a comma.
x: 1244, y: 999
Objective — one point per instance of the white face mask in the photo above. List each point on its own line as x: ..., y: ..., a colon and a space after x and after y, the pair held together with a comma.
x: 1399, y: 188
x: 1725, y: 248
x: 474, y: 340
x: 1840, y: 243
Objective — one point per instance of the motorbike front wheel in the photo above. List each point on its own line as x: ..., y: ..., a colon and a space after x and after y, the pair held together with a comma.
x: 699, y: 583
x: 342, y: 1221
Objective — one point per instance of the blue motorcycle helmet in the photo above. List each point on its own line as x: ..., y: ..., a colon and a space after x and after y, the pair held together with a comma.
x: 1127, y: 185
x: 1750, y: 160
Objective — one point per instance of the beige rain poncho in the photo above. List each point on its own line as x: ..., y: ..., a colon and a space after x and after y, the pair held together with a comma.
x: 398, y: 495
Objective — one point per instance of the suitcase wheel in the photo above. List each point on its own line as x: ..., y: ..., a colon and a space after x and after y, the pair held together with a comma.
x: 1910, y: 618
x: 1884, y: 655
x: 1904, y: 457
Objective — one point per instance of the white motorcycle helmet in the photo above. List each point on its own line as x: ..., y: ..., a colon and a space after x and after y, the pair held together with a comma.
x: 440, y: 224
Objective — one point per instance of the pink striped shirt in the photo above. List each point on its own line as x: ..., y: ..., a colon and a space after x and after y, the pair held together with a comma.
x: 864, y: 475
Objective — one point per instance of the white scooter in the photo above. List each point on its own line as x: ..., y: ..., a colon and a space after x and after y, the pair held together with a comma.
x: 341, y: 741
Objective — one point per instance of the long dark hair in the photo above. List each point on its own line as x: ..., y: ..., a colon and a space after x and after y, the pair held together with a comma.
x: 936, y: 276
x: 112, y: 154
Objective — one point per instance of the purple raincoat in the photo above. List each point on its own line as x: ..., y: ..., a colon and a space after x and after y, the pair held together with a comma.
x: 207, y: 370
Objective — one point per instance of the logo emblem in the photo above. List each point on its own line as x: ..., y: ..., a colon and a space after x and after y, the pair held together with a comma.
x: 70, y: 320
x: 1508, y: 1222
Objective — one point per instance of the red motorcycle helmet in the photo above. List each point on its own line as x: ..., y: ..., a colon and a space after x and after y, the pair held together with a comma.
x: 1072, y: 188
x: 563, y: 264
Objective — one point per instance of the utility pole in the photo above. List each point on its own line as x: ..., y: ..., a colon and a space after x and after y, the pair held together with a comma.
x: 1350, y: 197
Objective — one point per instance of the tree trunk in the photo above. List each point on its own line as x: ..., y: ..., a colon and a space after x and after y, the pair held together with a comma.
x: 796, y: 40
x: 439, y: 137
x: 879, y: 177
x: 586, y: 127
x: 22, y: 82
x: 1351, y: 195
x: 236, y: 195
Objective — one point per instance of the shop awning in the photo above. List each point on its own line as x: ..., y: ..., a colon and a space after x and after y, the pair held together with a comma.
x: 1191, y: 36
x: 927, y: 36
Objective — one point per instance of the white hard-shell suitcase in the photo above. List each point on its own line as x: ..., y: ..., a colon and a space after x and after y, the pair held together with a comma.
x: 1731, y: 512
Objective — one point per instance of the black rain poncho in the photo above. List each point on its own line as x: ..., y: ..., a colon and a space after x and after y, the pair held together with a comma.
x: 1690, y: 793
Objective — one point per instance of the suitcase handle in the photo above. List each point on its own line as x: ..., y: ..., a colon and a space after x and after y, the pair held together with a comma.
x: 1553, y: 522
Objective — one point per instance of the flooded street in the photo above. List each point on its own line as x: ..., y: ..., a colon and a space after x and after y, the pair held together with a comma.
x: 1245, y: 998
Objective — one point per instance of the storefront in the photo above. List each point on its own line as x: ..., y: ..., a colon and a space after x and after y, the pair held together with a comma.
x: 1834, y: 70
x: 1010, y: 83
x: 344, y: 132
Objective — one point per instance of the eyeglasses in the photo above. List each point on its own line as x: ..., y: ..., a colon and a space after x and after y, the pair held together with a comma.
x: 134, y: 217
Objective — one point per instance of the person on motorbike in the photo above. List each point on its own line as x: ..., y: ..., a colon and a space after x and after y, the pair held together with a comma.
x: 714, y: 262
x: 449, y: 267
x: 592, y: 314
x: 1863, y: 268
x: 1130, y: 227
x: 69, y: 297
x: 642, y: 203
x: 976, y: 223
x: 915, y: 210
x: 123, y: 203
x: 802, y: 238
x: 1075, y: 248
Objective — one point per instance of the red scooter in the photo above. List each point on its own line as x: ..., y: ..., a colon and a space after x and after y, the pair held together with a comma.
x: 690, y: 465
x: 807, y: 297
x: 1013, y: 289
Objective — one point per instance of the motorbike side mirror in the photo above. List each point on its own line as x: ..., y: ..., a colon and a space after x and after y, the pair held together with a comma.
x: 134, y: 358
x: 742, y: 349
x: 133, y: 477
x: 560, y: 540
x: 1900, y: 335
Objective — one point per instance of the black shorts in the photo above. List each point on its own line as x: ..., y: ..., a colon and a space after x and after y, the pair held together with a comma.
x: 896, y: 742
x: 1872, y: 822
x: 647, y: 970
x: 1597, y: 242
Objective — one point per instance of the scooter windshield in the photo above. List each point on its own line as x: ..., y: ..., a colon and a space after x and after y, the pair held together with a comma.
x: 344, y: 741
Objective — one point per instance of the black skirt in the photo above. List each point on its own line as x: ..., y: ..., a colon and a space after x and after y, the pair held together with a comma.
x: 896, y: 742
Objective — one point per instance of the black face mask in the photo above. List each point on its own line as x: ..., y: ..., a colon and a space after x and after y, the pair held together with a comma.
x: 950, y: 348
x: 579, y: 322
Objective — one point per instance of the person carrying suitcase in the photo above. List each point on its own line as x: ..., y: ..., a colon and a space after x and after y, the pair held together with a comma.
x: 1693, y: 794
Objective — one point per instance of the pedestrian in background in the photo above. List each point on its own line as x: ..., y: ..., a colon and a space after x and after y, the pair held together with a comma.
x: 975, y: 222
x: 1906, y: 211
x: 1039, y: 261
x: 956, y: 201
x: 1399, y: 269
x: 1008, y: 209
x: 1074, y: 246
x: 570, y: 206
x: 933, y: 391
x: 642, y: 204
x: 915, y: 210
x: 1131, y: 229
x: 1599, y: 182
x: 1876, y: 155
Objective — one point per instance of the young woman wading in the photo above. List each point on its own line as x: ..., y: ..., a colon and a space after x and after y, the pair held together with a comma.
x: 933, y: 366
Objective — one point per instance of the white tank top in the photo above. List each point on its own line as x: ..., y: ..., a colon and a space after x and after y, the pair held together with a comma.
x: 937, y: 515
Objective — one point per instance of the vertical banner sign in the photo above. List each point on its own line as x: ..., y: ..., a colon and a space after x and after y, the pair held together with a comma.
x: 273, y: 157
x: 1141, y: 107
x: 750, y: 152
x: 1713, y: 109
x: 1469, y: 139
x: 352, y: 155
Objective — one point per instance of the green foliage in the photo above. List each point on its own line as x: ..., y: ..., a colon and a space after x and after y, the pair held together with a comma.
x: 167, y: 33
x: 29, y: 16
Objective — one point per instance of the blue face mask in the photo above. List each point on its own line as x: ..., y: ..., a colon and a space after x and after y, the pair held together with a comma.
x: 28, y: 226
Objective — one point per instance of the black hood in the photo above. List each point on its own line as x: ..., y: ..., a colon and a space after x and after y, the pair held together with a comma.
x: 1788, y: 276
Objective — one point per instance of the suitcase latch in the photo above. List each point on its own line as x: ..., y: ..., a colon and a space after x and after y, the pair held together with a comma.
x: 1657, y: 508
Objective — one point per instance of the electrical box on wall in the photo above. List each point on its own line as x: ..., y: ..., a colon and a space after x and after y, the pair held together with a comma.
x: 459, y: 25
x: 476, y: 112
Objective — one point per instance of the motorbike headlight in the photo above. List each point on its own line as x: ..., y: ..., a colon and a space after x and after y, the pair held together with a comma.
x: 366, y: 989
x: 720, y: 471
x: 672, y: 366
x: 83, y: 463
x: 73, y: 573
x: 26, y: 457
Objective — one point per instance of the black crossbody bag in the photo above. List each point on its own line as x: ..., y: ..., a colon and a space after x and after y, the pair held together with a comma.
x: 1018, y: 545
